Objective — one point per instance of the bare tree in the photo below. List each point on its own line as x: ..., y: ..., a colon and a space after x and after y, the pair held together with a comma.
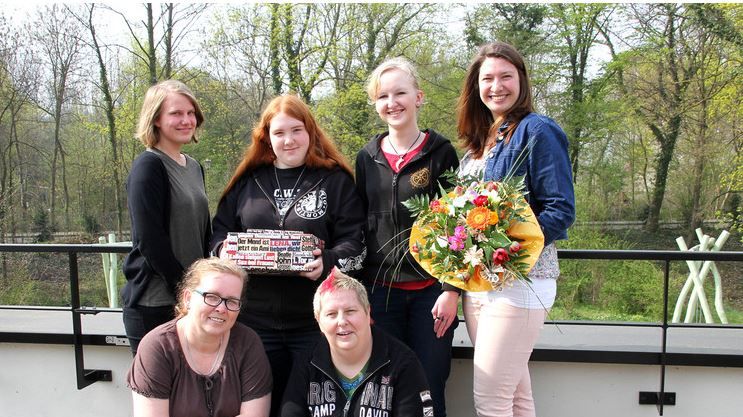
x: 56, y: 32
x: 164, y: 30
x: 104, y: 86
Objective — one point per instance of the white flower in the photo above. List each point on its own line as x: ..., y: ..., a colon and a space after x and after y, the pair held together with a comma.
x: 442, y: 242
x: 480, y: 237
x: 459, y: 201
x: 493, y: 196
x: 473, y: 256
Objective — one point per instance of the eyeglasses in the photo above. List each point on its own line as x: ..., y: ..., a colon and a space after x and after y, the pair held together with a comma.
x: 211, y: 299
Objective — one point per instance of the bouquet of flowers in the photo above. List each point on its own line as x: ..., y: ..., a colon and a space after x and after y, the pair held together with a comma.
x: 479, y: 236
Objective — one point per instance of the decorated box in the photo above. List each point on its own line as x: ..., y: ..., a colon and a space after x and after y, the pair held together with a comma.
x: 272, y: 251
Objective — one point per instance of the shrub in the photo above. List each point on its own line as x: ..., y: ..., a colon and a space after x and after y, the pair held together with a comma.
x: 617, y: 288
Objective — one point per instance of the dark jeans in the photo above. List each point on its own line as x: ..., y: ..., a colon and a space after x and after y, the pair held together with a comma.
x: 138, y: 321
x: 406, y: 315
x: 283, y: 348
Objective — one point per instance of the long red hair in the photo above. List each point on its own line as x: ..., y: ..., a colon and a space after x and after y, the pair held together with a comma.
x: 321, y: 153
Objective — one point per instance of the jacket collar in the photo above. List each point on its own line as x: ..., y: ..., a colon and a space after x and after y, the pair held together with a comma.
x: 374, y: 147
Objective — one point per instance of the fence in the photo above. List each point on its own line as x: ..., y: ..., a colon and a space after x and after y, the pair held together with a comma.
x: 662, y: 357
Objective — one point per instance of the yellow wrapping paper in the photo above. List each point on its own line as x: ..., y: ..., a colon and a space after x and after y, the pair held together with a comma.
x: 527, y: 232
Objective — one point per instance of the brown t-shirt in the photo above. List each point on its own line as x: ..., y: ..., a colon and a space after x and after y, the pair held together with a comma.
x: 160, y: 371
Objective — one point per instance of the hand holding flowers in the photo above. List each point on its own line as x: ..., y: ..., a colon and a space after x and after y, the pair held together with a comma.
x: 478, y: 236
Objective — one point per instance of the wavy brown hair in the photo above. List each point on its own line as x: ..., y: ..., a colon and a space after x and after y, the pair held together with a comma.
x: 475, y: 123
x: 321, y: 153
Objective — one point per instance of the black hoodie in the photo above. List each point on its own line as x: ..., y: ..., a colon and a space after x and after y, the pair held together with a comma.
x: 395, y: 385
x: 328, y: 207
x: 388, y: 222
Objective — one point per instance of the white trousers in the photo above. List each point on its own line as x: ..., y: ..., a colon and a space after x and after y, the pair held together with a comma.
x: 503, y: 337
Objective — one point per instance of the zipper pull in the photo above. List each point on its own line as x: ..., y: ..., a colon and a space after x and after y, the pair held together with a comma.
x: 346, y: 407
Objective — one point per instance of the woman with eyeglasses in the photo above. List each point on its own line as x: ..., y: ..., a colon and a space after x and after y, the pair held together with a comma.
x: 203, y: 363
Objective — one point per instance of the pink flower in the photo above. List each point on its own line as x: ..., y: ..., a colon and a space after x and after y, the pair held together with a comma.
x: 460, y: 233
x: 491, y: 186
x: 415, y: 248
x: 458, y: 190
x: 455, y: 243
x: 515, y: 247
x: 480, y: 200
x: 500, y: 255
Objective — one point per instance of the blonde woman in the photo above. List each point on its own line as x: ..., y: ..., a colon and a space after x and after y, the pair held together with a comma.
x: 168, y: 208
x: 356, y: 370
x: 394, y: 166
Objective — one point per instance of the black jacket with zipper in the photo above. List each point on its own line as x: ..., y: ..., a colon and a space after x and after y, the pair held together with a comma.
x: 327, y: 206
x: 388, y: 222
x: 394, y: 386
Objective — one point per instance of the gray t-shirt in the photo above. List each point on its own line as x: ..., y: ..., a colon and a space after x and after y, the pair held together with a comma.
x: 189, y: 220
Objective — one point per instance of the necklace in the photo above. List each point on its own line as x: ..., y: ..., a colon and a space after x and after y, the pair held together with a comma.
x: 216, y: 358
x: 401, y: 157
x: 287, y: 203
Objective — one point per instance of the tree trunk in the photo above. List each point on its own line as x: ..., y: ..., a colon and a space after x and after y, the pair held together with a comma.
x: 151, y: 56
x: 274, y: 42
x: 22, y: 177
x: 111, y: 119
x: 168, y: 68
x: 65, y: 188
x: 667, y: 143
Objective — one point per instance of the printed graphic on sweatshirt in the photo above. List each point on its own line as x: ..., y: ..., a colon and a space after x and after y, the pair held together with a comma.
x: 312, y: 205
x: 376, y: 399
x: 321, y: 398
x: 284, y: 199
x: 353, y: 263
x: 420, y: 178
x: 425, y: 396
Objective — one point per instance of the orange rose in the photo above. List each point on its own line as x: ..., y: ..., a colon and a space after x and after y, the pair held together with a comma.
x: 479, y: 218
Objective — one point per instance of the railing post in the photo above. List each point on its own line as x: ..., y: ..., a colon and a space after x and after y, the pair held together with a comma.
x: 113, y: 275
x: 85, y: 377
x: 662, y: 393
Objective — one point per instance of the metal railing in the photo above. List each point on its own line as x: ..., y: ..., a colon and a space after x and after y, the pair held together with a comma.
x: 86, y: 377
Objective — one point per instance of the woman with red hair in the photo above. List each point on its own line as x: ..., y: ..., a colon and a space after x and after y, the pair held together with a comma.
x: 292, y: 177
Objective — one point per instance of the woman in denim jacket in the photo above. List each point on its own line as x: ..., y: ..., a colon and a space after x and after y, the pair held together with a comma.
x: 503, y: 136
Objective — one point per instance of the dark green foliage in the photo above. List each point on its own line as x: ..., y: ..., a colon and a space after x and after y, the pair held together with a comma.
x: 349, y: 119
x: 90, y: 224
x: 516, y: 23
x: 42, y: 225
x: 618, y: 289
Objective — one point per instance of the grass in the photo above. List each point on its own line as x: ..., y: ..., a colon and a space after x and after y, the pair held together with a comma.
x: 42, y: 279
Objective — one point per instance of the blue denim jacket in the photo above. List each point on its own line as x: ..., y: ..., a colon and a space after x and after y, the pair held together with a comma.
x: 547, y: 171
